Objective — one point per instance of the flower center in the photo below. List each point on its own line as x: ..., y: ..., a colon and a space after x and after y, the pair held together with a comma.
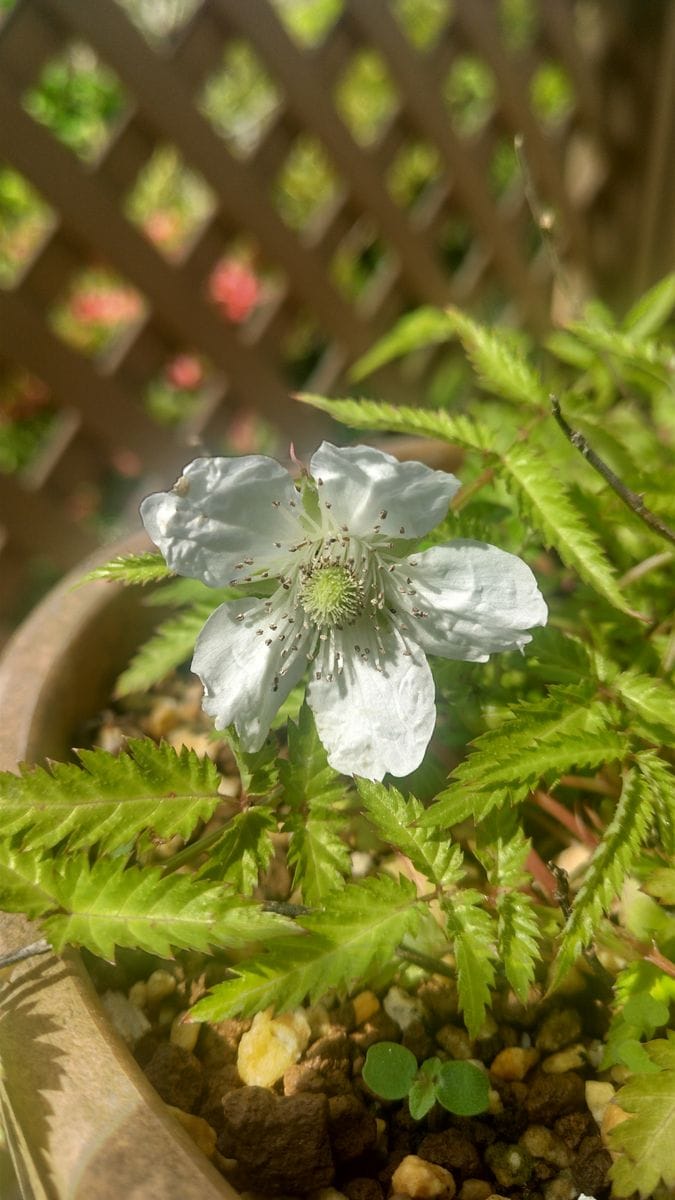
x: 332, y: 594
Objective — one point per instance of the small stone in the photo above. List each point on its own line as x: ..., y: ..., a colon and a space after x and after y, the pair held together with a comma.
x: 215, y: 1050
x: 558, y: 1029
x: 475, y: 1189
x: 334, y: 1047
x: 125, y: 1017
x: 271, y: 1046
x: 422, y: 1180
x: 452, y: 1150
x: 363, y: 1189
x: 380, y: 1028
x: 184, y: 1033
x: 455, y: 1041
x: 510, y: 1165
x: 552, y: 1096
x: 542, y: 1143
x: 598, y: 1096
x: 202, y: 1134
x: 590, y: 1168
x: 177, y: 1075
x: 362, y: 863
x: 160, y: 985
x: 439, y: 996
x: 351, y: 1128
x: 164, y: 715
x: 620, y: 1073
x: 365, y: 1005
x: 418, y: 1040
x: 513, y: 1063
x: 138, y: 993
x: 320, y: 1023
x: 569, y: 1059
x: 280, y: 1142
x: 328, y: 1193
x: 573, y: 1127
x: 403, y: 1008
x: 495, y: 1105
x: 315, y: 1076
x: 561, y: 1188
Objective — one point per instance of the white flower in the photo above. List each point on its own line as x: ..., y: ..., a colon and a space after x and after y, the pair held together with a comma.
x: 353, y: 604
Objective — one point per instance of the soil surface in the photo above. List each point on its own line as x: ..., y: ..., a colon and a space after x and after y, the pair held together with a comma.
x: 318, y: 1133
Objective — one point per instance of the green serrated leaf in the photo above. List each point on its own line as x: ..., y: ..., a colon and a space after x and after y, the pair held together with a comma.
x: 108, y: 904
x: 259, y: 769
x: 502, y: 849
x: 547, y: 503
x: 652, y: 701
x: 652, y: 310
x: 502, y: 370
x: 423, y: 327
x: 171, y: 645
x: 569, y: 729
x: 607, y: 870
x: 244, y: 850
x: 645, y: 1141
x: 659, y: 778
x: 474, y: 936
x: 456, y: 429
x: 109, y: 800
x: 433, y: 854
x: 131, y: 569
x: 353, y: 939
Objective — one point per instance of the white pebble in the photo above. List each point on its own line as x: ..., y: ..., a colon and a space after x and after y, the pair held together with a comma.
x: 404, y: 1009
x: 422, y: 1180
x: 271, y: 1046
x: 184, y: 1033
x: 125, y: 1017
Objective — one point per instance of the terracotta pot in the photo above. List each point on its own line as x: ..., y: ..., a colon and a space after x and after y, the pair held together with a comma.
x: 82, y: 1121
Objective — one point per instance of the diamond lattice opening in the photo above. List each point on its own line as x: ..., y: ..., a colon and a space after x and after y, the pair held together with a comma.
x: 308, y: 21
x: 96, y: 309
x: 469, y: 93
x: 239, y: 98
x: 365, y: 96
x: 305, y: 184
x: 518, y: 23
x: 79, y: 99
x: 26, y: 418
x: 414, y: 169
x: 357, y: 260
x: 422, y: 21
x: 25, y: 219
x: 551, y: 94
x: 159, y: 23
x: 169, y: 201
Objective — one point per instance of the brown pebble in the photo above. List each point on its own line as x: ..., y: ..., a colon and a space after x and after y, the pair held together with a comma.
x: 422, y: 1180
x: 573, y: 1127
x: 552, y: 1096
x: 418, y: 1040
x: 266, y: 1132
x: 452, y: 1150
x: 335, y: 1047
x: 475, y: 1189
x: 542, y: 1143
x: 202, y: 1134
x: 589, y: 1169
x: 456, y: 1041
x: 177, y: 1075
x: 513, y: 1063
x: 363, y: 1189
x: 558, y: 1029
x: 351, y: 1128
x: 316, y: 1077
x: 380, y: 1028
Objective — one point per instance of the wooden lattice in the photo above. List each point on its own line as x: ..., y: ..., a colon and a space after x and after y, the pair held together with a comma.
x: 592, y: 169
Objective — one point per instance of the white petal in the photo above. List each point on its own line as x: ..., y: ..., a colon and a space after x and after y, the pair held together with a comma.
x: 221, y: 511
x: 361, y: 484
x: 374, y: 721
x: 239, y: 669
x: 478, y: 599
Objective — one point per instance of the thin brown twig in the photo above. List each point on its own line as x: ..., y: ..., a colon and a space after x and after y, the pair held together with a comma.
x: 437, y: 966
x: 629, y: 497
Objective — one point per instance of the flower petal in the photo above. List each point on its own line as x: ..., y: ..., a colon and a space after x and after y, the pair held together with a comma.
x: 240, y: 662
x: 221, y: 511
x: 477, y: 600
x: 371, y: 721
x: 368, y: 488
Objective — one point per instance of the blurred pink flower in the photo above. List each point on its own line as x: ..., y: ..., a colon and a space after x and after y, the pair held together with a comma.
x: 107, y: 307
x: 235, y: 288
x: 162, y: 227
x: 185, y: 371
